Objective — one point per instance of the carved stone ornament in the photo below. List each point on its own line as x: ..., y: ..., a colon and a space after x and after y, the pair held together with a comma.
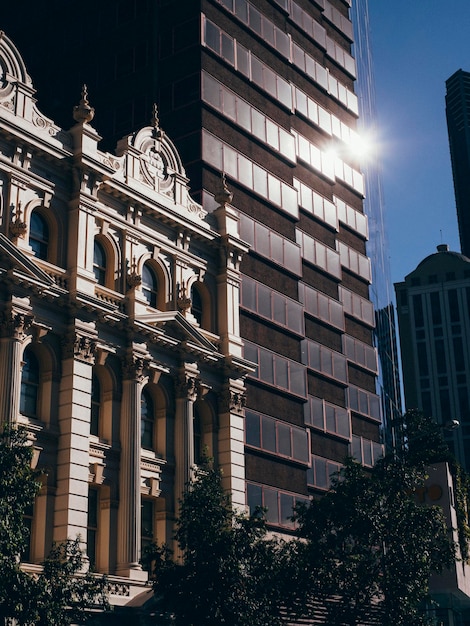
x: 85, y: 349
x: 232, y: 401
x: 18, y: 228
x: 16, y: 325
x: 187, y: 386
x: 133, y: 367
x: 80, y: 347
x: 184, y: 302
x: 134, y: 279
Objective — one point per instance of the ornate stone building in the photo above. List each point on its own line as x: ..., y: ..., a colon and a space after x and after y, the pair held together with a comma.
x: 120, y: 348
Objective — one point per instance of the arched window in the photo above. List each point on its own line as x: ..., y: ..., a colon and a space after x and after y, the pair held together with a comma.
x: 196, y: 304
x: 197, y: 436
x: 92, y: 525
x: 39, y: 235
x: 149, y: 285
x: 99, y: 263
x: 95, y: 406
x: 147, y: 523
x: 29, y: 385
x: 147, y: 421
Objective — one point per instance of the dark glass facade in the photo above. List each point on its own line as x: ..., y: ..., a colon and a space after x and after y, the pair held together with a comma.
x: 458, y: 127
x: 264, y: 91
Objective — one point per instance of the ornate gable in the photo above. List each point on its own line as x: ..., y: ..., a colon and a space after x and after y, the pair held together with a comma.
x: 151, y: 159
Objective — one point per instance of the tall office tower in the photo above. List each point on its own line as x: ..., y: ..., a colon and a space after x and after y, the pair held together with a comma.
x: 433, y: 317
x: 458, y: 127
x: 262, y: 91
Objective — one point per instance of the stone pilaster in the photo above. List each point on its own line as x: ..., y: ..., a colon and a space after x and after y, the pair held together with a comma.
x: 129, y: 513
x: 232, y: 249
x: 232, y: 440
x: 186, y: 394
x: 71, y: 502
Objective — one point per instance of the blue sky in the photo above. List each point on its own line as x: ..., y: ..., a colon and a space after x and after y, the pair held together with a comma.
x: 417, y: 45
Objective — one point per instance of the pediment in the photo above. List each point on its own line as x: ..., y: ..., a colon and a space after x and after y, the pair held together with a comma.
x: 11, y: 258
x: 174, y: 324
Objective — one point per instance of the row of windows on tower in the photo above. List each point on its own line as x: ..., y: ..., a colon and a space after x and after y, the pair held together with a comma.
x: 29, y: 406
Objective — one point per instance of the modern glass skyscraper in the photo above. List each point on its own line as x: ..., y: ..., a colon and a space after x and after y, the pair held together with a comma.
x: 458, y: 126
x: 263, y: 91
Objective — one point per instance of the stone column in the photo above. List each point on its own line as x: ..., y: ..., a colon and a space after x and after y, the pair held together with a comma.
x: 186, y: 393
x: 12, y: 336
x: 129, y: 513
x: 71, y: 502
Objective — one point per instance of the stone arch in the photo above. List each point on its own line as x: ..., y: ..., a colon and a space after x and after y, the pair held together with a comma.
x: 159, y: 399
x: 162, y: 277
x: 47, y: 391
x: 113, y: 259
x: 36, y: 206
x: 206, y: 315
x: 204, y: 412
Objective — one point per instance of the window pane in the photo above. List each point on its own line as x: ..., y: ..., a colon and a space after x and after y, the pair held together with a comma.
x: 149, y: 285
x: 29, y: 384
x: 253, y: 431
x: 254, y: 497
x: 287, y: 504
x: 268, y: 426
x: 229, y: 104
x: 244, y: 114
x: 321, y: 478
x: 39, y: 235
x: 282, y: 373
x: 99, y: 263
x: 279, y: 309
x: 146, y: 421
x: 228, y: 52
x: 264, y: 301
x: 300, y: 445
x: 266, y: 369
x: 243, y: 60
x: 284, y: 439
x: 211, y: 37
x: 95, y: 406
x: 270, y: 502
x: 255, y: 19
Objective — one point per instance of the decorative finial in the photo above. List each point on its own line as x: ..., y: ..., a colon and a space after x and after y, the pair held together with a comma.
x: 223, y: 196
x: 83, y: 112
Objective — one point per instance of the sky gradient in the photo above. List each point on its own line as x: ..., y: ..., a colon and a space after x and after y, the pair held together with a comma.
x: 416, y: 46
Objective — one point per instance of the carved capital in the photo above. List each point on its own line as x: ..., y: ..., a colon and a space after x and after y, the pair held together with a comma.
x: 187, y: 386
x: 15, y: 325
x: 231, y: 401
x: 133, y: 367
x: 80, y: 347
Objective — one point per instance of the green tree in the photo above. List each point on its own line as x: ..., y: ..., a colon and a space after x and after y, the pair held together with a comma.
x: 230, y: 572
x: 370, y: 546
x: 61, y: 592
